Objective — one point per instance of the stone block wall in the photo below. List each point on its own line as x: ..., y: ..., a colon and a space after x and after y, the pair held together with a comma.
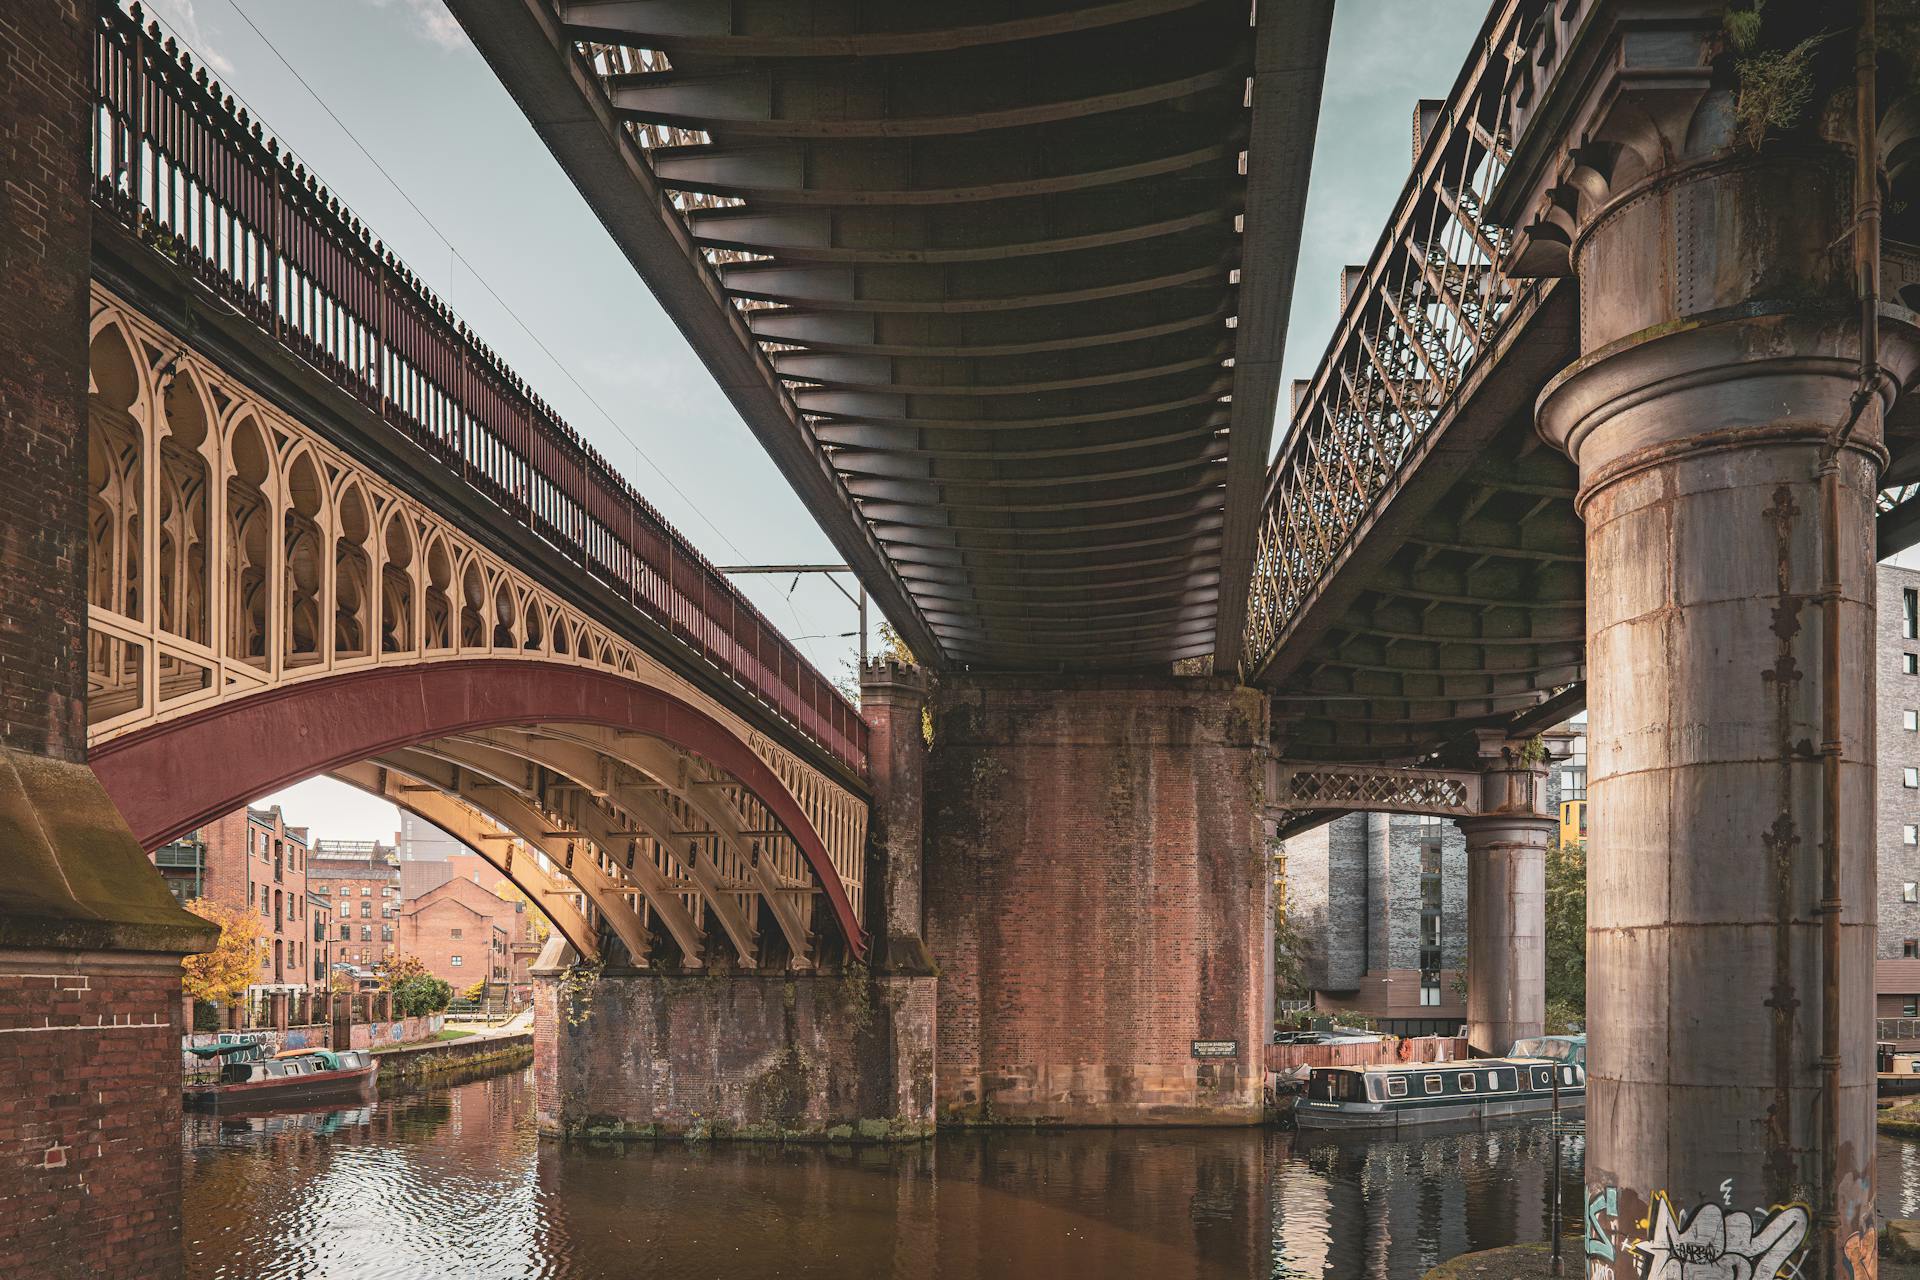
x: 90, y: 1115
x: 1097, y: 899
x: 752, y: 1055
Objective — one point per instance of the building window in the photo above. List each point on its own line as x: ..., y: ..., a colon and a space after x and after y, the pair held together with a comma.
x: 366, y: 933
x: 1910, y: 613
x: 1910, y: 663
x: 1910, y: 892
x: 456, y: 961
x: 386, y: 933
x: 346, y: 932
x: 1430, y: 920
x: 366, y: 908
x: 1910, y: 777
x: 454, y: 933
x: 1910, y: 1007
x: 1910, y: 949
x: 366, y: 891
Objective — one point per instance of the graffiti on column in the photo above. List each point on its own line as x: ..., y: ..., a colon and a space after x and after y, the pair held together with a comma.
x: 1710, y: 1242
x: 1602, y: 1202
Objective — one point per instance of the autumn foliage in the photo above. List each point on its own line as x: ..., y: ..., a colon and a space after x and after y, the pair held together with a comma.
x: 221, y: 976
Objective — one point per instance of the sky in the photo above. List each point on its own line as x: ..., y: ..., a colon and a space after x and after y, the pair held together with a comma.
x: 485, y: 216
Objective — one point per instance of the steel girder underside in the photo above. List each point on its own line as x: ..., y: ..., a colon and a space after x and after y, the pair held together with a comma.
x: 1000, y: 284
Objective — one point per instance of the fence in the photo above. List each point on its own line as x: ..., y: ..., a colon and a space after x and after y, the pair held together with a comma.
x: 177, y: 162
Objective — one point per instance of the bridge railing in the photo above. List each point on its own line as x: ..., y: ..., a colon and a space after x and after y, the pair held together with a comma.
x: 179, y: 163
x: 1429, y: 302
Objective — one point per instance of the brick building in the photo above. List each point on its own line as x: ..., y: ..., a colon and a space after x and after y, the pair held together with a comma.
x: 361, y: 878
x: 1897, y: 805
x: 461, y: 932
x: 320, y: 933
x: 251, y: 860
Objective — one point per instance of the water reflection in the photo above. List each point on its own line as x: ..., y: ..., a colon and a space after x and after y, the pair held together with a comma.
x: 451, y: 1182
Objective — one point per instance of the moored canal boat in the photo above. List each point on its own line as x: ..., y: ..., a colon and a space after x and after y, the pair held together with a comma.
x: 249, y: 1078
x: 1387, y: 1097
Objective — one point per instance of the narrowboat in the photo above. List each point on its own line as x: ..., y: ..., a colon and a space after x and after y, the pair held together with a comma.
x: 249, y: 1078
x: 1898, y: 1072
x: 1387, y: 1097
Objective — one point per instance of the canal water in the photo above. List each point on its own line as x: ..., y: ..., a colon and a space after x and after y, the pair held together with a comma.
x: 452, y: 1182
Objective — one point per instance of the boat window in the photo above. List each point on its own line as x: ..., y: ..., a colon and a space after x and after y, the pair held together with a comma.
x: 1331, y: 1086
x: 1397, y: 1087
x: 1566, y: 1075
x: 1498, y: 1080
x: 1468, y: 1082
x: 1435, y: 1084
x: 1543, y: 1077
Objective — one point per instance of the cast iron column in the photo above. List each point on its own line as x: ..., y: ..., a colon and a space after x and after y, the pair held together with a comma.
x: 1507, y: 902
x: 1722, y: 345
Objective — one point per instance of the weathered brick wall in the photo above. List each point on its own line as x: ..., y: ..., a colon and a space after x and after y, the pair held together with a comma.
x: 1097, y: 899
x: 738, y: 1054
x: 90, y: 1116
x: 892, y: 700
x: 45, y: 251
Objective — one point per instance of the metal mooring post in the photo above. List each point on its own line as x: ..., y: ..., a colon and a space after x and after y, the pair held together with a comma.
x: 1555, y: 1124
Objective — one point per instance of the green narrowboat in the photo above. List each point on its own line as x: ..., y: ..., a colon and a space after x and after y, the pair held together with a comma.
x: 1387, y: 1097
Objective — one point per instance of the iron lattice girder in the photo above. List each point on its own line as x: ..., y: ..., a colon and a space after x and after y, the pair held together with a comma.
x: 1300, y: 796
x: 1017, y: 268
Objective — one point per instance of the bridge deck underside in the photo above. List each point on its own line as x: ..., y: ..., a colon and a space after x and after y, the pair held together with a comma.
x: 1461, y: 602
x: 1001, y: 266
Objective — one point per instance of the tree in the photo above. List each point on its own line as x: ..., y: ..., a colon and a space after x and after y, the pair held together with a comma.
x: 415, y: 991
x: 1566, y: 933
x: 221, y: 976
x: 1289, y: 958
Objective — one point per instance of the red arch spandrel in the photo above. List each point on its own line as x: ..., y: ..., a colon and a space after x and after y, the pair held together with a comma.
x: 176, y: 776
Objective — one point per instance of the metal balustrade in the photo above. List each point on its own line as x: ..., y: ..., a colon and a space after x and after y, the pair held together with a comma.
x: 180, y: 164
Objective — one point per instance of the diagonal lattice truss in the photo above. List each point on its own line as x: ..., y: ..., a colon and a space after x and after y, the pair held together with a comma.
x: 1000, y: 283
x: 1429, y: 302
x: 1302, y: 795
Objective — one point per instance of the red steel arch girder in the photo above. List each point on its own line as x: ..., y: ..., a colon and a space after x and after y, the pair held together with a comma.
x: 174, y: 776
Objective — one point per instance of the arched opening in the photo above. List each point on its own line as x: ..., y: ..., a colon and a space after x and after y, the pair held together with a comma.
x: 116, y: 480
x: 115, y: 477
x: 304, y: 548
x: 437, y: 610
x: 505, y: 617
x: 396, y: 587
x: 535, y: 631
x: 184, y: 521
x: 352, y: 577
x: 473, y: 608
x: 249, y: 543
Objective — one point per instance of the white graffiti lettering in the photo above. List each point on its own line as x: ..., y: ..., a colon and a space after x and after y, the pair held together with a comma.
x: 1712, y: 1243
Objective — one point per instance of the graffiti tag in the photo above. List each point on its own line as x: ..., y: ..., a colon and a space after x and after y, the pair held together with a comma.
x: 1712, y: 1243
x: 1605, y: 1201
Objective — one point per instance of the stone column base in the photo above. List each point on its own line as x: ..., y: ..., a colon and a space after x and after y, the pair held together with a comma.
x: 786, y: 1056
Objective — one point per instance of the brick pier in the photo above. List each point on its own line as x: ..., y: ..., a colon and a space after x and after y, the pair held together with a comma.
x: 1097, y: 900
x: 90, y: 939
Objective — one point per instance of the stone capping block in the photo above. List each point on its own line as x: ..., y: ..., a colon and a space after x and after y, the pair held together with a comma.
x: 72, y: 876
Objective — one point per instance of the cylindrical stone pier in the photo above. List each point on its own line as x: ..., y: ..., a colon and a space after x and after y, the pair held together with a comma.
x: 1721, y: 354
x: 1506, y: 929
